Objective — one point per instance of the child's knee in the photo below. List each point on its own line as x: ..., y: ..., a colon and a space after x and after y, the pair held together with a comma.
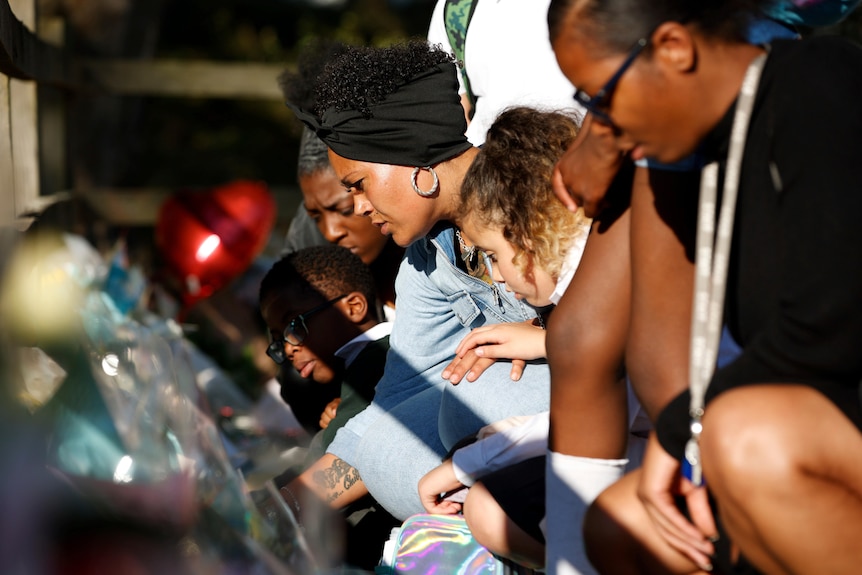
x: 484, y: 517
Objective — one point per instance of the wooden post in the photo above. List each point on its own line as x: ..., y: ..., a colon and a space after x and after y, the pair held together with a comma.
x: 24, y: 127
x: 52, y: 104
x: 7, y: 179
x: 34, y: 168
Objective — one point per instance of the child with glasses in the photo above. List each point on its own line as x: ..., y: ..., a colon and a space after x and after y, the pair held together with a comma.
x: 321, y: 308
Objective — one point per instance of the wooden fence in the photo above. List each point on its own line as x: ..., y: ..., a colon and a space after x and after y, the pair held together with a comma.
x: 32, y: 130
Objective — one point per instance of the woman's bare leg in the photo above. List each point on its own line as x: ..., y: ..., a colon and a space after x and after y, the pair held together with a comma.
x: 663, y: 210
x: 785, y: 466
x: 585, y: 342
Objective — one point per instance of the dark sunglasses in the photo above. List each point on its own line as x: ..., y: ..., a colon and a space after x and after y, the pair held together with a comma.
x: 296, y: 332
x: 599, y: 104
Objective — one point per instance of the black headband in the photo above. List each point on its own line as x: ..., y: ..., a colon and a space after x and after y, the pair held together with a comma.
x: 420, y: 124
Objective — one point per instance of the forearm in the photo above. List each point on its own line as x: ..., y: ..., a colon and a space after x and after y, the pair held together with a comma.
x: 585, y: 341
x: 438, y: 482
x: 331, y: 480
x: 664, y: 207
x: 502, y: 449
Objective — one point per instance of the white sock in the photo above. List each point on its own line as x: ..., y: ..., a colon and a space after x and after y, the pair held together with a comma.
x: 572, y: 483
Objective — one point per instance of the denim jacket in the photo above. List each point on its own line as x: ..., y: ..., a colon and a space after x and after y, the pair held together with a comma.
x: 437, y: 306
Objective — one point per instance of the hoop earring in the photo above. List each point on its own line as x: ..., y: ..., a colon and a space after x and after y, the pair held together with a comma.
x: 434, y: 187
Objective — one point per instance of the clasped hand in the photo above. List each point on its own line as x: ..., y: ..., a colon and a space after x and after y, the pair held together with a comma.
x: 329, y: 413
x: 437, y: 482
x: 661, y: 481
x: 585, y: 171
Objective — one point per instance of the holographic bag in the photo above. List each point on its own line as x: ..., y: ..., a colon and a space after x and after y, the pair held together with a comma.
x: 427, y: 544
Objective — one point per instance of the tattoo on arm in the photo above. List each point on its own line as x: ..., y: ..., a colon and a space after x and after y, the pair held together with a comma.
x: 339, y: 473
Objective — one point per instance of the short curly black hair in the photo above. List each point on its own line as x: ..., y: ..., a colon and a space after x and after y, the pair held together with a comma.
x: 298, y: 85
x: 328, y: 270
x: 362, y: 76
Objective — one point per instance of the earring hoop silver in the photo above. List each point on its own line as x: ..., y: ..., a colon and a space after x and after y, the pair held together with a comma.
x: 434, y: 187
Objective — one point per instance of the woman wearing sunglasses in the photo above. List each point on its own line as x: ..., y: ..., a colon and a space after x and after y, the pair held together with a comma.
x: 770, y: 439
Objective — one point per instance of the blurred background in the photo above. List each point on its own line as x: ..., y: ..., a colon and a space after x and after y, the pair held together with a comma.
x: 147, y: 141
x: 170, y: 141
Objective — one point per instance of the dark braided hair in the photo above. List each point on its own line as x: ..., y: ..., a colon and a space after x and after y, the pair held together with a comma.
x: 327, y: 270
x: 362, y: 76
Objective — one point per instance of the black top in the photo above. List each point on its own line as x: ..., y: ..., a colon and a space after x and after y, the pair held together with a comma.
x: 795, y: 277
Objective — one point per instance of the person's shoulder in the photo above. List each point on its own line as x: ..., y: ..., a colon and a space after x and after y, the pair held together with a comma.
x: 836, y: 48
x: 812, y: 71
x: 815, y: 53
x: 437, y: 26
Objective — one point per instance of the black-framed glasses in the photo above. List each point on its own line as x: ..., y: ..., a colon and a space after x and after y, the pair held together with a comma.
x: 296, y: 331
x: 599, y: 104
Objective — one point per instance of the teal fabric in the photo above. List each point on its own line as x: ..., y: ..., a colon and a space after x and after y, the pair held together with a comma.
x: 812, y: 13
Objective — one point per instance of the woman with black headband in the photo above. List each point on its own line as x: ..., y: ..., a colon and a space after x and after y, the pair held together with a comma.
x: 393, y: 122
x: 763, y: 453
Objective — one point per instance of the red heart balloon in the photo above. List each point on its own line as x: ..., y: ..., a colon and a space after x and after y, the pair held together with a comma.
x: 208, y: 238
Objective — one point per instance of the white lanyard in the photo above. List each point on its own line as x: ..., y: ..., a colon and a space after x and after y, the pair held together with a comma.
x: 711, y: 262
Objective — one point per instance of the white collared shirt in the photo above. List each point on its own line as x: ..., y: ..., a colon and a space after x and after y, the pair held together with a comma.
x: 350, y: 350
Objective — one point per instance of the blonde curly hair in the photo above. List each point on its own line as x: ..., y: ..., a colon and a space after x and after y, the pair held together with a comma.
x: 508, y: 186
